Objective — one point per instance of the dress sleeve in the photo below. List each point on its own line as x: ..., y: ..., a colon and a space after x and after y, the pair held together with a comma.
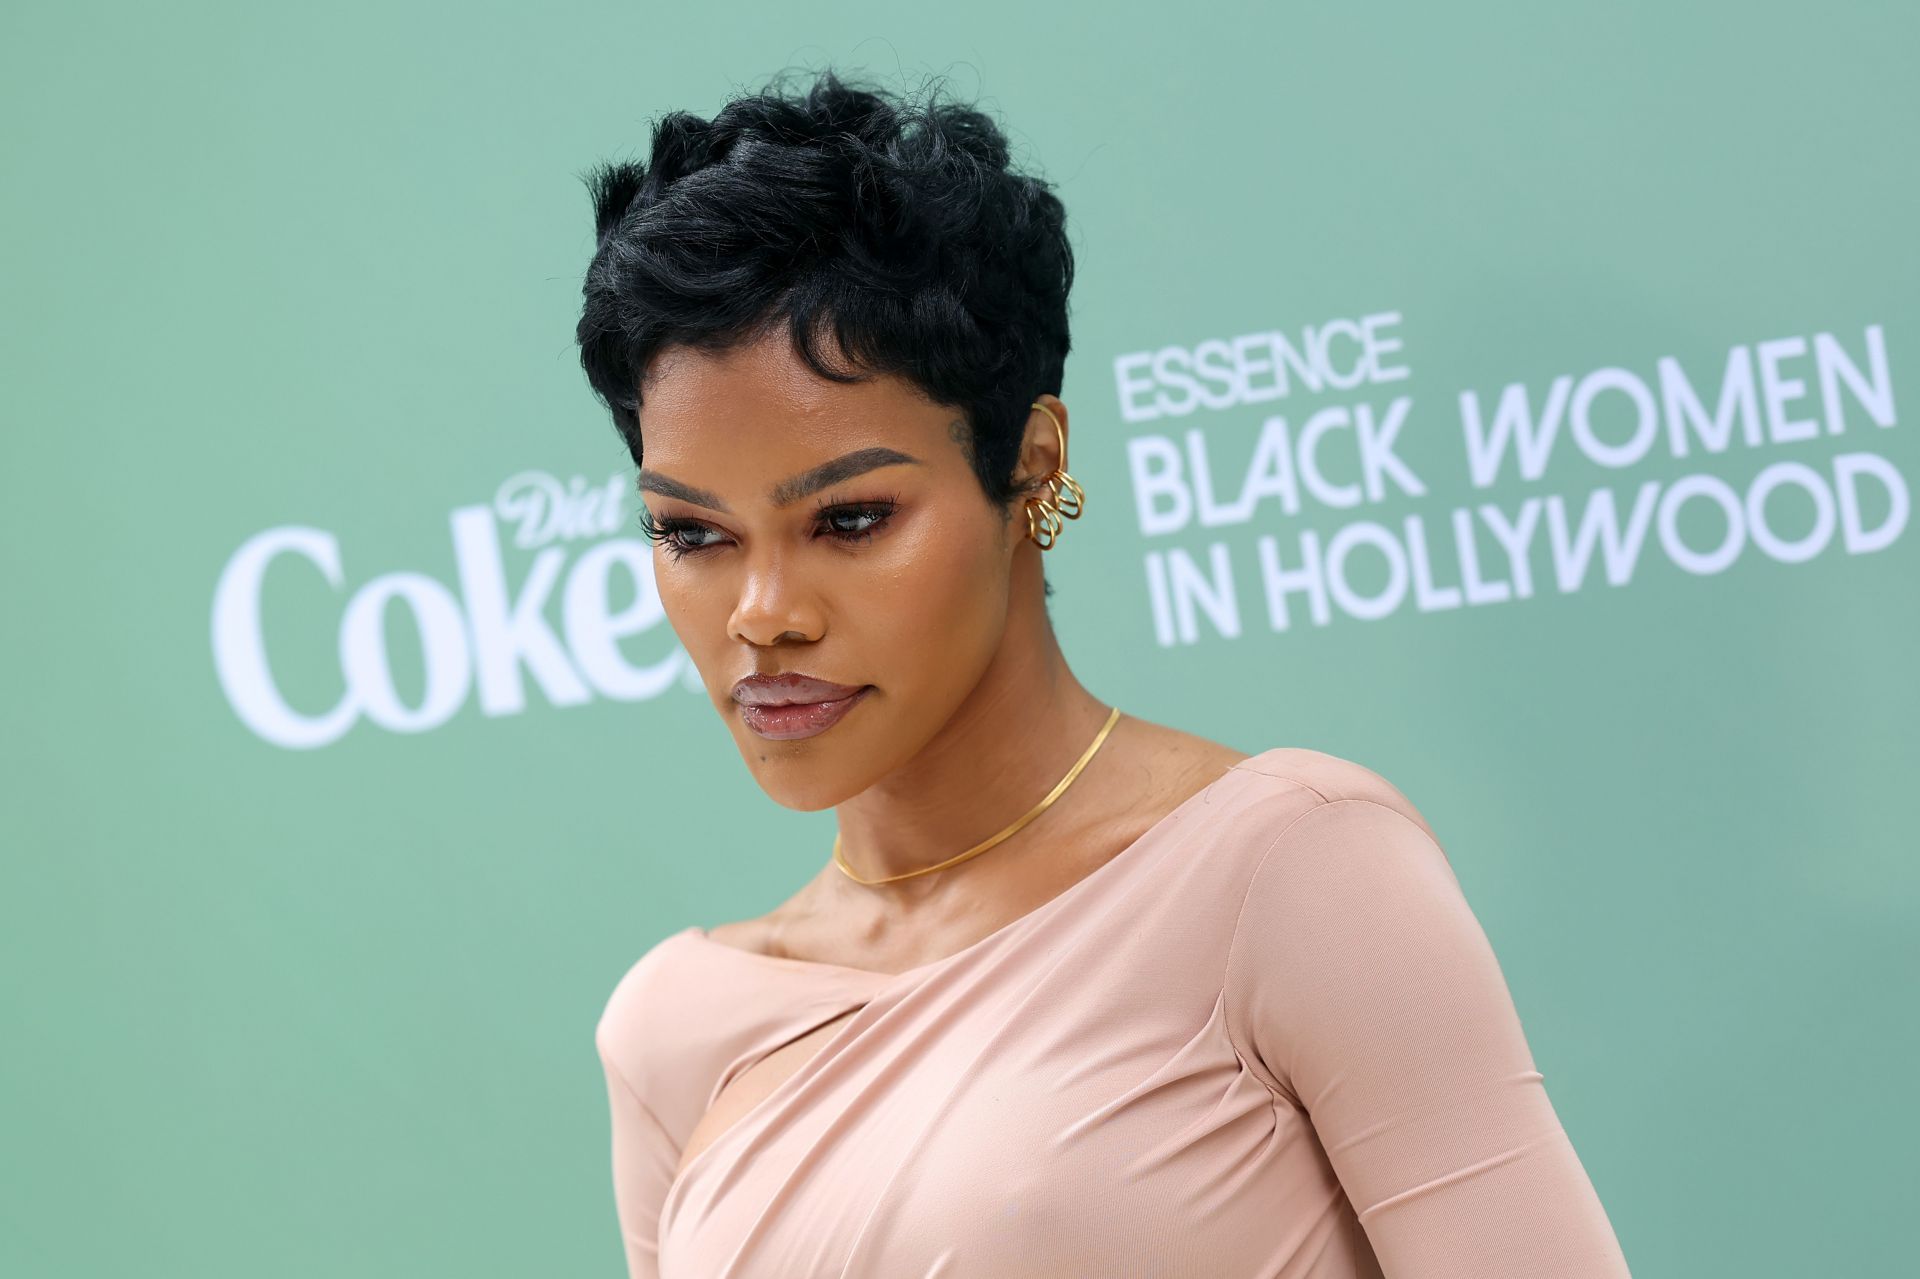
x: 1361, y: 988
x: 644, y: 1158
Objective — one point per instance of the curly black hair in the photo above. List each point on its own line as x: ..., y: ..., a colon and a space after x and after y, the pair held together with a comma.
x: 896, y: 225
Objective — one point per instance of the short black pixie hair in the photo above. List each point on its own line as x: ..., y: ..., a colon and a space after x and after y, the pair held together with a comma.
x: 894, y: 224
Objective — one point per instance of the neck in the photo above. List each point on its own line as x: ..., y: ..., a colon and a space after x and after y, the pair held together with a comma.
x: 1017, y: 734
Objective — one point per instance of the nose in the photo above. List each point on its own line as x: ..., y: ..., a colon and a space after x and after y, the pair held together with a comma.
x: 775, y: 604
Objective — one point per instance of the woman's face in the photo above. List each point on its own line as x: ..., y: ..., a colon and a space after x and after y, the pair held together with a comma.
x: 829, y: 530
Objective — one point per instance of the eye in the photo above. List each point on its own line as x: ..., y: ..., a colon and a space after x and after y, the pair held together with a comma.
x: 856, y: 521
x: 685, y: 535
x: 678, y: 536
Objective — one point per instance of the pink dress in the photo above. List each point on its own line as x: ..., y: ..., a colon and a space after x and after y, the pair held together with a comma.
x: 1268, y: 1038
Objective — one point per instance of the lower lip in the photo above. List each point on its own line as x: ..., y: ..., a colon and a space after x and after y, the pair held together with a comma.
x: 803, y: 719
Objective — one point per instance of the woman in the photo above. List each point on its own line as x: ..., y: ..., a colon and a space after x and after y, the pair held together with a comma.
x: 1074, y: 993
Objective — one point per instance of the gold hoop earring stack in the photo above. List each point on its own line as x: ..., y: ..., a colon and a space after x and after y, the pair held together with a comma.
x: 1047, y: 516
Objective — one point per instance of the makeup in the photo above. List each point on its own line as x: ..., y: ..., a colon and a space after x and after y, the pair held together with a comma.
x: 791, y: 706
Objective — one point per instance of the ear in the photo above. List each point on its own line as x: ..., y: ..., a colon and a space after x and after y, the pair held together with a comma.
x: 1042, y: 448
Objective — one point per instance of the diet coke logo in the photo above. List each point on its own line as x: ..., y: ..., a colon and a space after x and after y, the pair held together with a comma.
x: 479, y: 635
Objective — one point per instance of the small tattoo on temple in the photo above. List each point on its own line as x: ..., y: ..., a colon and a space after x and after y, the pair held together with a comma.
x: 962, y: 434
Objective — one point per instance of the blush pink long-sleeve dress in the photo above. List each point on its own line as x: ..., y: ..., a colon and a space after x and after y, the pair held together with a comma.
x: 1268, y: 1038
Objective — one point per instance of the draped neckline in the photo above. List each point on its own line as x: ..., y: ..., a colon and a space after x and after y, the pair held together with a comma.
x: 852, y: 988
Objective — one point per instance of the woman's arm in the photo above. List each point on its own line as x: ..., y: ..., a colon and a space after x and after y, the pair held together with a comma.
x: 644, y: 1158
x: 1361, y: 987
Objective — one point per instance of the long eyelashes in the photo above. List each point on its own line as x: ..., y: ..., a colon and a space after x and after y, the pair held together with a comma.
x: 829, y: 518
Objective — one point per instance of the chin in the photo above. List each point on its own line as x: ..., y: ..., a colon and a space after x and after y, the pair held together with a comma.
x: 806, y: 776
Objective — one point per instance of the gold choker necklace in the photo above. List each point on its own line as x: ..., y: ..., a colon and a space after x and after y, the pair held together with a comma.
x: 982, y: 847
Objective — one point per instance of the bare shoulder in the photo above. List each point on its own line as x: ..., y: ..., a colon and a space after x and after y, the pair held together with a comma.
x: 1146, y: 770
x: 802, y: 915
x: 745, y: 934
x: 1164, y: 761
x: 1169, y: 764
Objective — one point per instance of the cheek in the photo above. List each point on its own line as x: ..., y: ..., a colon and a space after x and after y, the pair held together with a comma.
x: 676, y: 600
x: 946, y: 590
x: 697, y: 610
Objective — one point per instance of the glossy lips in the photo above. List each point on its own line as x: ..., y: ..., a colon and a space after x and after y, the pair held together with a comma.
x: 783, y: 707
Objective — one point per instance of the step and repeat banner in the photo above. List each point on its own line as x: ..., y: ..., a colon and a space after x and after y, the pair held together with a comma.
x: 1518, y: 402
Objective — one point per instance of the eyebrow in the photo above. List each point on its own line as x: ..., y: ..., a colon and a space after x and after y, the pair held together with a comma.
x: 789, y: 490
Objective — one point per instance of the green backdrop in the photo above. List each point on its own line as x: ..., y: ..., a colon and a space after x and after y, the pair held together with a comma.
x: 346, y: 770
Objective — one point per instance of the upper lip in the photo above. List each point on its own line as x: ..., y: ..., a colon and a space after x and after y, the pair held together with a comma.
x: 790, y: 689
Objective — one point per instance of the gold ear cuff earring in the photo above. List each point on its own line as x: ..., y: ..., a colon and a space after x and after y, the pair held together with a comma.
x: 1046, y: 517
